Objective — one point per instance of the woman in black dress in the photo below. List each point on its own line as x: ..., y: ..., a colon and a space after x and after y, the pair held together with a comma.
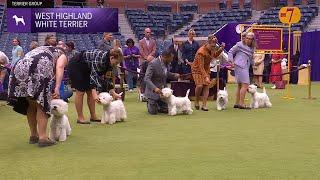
x: 30, y: 88
x: 87, y: 72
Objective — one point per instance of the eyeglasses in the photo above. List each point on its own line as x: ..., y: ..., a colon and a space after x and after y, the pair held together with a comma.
x: 250, y: 39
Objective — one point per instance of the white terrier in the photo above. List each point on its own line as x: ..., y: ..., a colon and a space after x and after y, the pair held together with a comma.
x: 112, y: 110
x: 259, y: 100
x: 177, y: 104
x: 17, y: 19
x: 60, y: 127
x: 284, y: 64
x: 222, y: 99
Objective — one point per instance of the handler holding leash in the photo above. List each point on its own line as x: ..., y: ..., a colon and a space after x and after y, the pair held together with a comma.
x: 201, y: 69
x: 156, y: 79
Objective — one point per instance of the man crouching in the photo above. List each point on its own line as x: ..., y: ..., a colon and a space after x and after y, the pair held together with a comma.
x: 156, y: 79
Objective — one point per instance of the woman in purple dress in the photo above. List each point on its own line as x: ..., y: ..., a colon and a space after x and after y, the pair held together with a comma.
x: 131, y: 61
x: 241, y: 55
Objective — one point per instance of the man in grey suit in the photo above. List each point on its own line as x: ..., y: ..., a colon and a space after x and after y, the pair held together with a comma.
x: 156, y: 79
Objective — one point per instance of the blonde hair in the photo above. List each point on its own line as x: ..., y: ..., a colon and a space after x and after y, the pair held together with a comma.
x: 117, y: 42
x: 117, y: 54
x: 253, y: 43
x: 191, y: 31
x: 211, y: 36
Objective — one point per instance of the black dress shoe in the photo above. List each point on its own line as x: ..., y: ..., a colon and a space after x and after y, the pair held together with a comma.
x: 236, y: 106
x: 204, y: 109
x: 83, y: 122
x: 95, y: 120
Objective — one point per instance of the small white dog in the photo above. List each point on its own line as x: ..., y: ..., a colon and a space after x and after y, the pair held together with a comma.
x: 222, y: 99
x: 177, y: 104
x: 259, y: 100
x: 60, y: 126
x: 112, y: 110
x: 17, y: 19
x: 284, y: 64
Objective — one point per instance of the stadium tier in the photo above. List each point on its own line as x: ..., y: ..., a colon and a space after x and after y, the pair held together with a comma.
x: 161, y: 22
x: 213, y: 21
x: 308, y: 12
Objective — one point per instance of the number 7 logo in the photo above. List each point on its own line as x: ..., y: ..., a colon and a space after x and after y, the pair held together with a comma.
x: 293, y: 16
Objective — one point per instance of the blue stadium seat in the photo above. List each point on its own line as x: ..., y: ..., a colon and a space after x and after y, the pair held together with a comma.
x: 297, y: 2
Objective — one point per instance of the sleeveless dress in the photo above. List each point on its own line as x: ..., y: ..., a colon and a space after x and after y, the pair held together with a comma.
x: 258, y: 70
x: 276, y: 69
x: 33, y: 77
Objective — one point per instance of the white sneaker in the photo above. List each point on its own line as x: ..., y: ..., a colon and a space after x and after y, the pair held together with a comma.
x: 273, y: 87
x: 130, y: 90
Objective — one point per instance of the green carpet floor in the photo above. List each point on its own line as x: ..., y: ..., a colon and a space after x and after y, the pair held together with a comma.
x: 277, y: 143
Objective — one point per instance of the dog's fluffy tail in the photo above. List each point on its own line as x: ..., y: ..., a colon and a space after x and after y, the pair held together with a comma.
x: 187, y: 94
x: 264, y: 90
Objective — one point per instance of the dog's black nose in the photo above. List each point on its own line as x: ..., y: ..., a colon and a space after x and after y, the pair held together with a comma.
x: 54, y: 107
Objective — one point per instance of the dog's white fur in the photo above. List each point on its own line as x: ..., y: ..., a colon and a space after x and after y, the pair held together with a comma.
x: 284, y: 64
x: 222, y: 99
x: 259, y: 100
x: 59, y: 127
x: 112, y: 110
x: 177, y: 104
x: 17, y: 19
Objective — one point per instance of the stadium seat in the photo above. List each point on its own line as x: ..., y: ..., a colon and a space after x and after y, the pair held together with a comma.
x: 297, y: 2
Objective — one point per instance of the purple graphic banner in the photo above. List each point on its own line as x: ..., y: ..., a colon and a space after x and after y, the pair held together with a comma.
x: 62, y: 20
x: 268, y: 39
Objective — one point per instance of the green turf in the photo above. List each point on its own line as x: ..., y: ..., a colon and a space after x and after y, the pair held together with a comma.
x: 277, y: 143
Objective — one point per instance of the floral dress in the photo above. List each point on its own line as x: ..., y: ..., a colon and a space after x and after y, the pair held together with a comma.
x: 33, y: 77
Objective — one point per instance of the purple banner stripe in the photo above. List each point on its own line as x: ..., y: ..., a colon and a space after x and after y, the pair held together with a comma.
x: 63, y: 20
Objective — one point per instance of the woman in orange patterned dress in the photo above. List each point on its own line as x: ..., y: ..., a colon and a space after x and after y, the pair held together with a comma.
x: 201, y: 69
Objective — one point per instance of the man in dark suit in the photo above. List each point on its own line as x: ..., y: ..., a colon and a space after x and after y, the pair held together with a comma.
x: 156, y: 79
x: 175, y: 64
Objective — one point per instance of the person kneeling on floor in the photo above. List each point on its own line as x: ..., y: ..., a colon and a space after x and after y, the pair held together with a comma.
x: 155, y: 79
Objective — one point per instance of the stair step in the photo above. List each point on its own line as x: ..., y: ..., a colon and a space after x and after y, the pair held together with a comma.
x: 125, y: 28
